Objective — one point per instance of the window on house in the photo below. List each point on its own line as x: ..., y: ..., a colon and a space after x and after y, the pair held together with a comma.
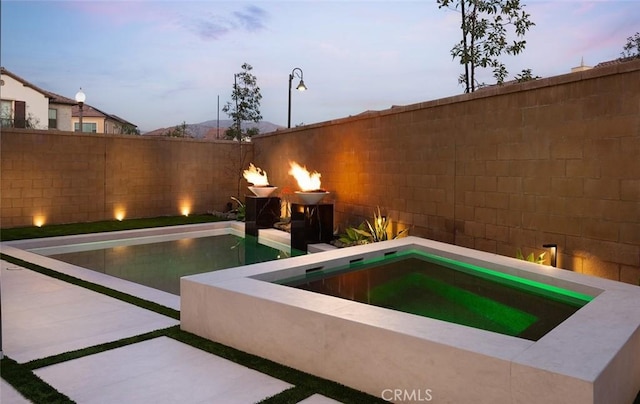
x: 6, y: 114
x: 86, y: 127
x: 53, y: 118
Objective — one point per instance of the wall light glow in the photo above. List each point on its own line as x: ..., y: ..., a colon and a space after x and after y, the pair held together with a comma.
x: 185, y: 210
x: 39, y: 220
x: 119, y: 214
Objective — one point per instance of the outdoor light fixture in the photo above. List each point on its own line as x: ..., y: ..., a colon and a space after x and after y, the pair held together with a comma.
x: 554, y: 253
x: 301, y: 87
x: 80, y: 97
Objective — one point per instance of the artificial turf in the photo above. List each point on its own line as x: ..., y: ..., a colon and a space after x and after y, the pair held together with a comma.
x: 52, y: 230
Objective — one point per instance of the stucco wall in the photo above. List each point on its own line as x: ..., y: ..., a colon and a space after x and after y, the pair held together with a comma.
x: 549, y: 161
x: 64, y: 117
x: 37, y: 104
x: 99, y: 121
x: 64, y: 177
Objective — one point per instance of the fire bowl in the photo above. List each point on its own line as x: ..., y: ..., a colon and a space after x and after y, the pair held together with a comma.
x: 262, y: 191
x: 312, y: 197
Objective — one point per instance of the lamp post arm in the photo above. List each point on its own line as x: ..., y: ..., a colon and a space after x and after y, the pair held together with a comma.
x: 291, y: 76
x: 293, y: 73
x: 289, y: 111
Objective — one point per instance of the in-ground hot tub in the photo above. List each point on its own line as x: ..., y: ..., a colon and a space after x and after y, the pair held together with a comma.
x: 428, y: 285
x: 591, y: 356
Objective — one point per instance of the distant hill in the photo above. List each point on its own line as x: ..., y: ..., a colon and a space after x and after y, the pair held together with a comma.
x: 209, y: 129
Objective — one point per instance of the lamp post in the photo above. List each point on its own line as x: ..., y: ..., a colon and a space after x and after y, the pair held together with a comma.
x: 301, y: 87
x: 80, y: 97
x: 238, y: 128
x: 238, y: 115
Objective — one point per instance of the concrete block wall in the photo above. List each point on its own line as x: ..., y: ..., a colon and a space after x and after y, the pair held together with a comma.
x: 548, y: 161
x: 63, y: 177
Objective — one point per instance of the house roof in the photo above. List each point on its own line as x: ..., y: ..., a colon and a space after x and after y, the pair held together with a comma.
x: 93, y: 112
x: 24, y: 82
x: 59, y: 99
x: 53, y: 97
x: 616, y: 61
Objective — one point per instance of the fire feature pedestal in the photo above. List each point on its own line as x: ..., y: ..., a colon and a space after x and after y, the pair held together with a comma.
x: 260, y: 213
x: 311, y: 224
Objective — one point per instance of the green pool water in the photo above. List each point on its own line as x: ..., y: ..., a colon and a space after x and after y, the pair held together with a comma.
x: 160, y: 265
x: 436, y: 287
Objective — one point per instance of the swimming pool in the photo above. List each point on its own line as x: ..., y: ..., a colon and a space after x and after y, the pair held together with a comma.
x: 161, y: 264
x: 148, y: 263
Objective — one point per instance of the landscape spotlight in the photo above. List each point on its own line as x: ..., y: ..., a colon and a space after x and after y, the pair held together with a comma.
x: 554, y: 253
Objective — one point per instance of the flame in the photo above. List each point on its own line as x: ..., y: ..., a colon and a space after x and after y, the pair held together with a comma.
x: 254, y: 175
x: 306, y: 182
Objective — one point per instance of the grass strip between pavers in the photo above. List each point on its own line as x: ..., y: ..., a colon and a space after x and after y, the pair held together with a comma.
x: 30, y: 385
x: 292, y: 395
x: 304, y: 381
x: 146, y: 304
x: 21, y: 376
x: 79, y: 353
x: 38, y: 391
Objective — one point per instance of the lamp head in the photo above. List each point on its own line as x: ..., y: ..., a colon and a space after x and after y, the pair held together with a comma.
x: 301, y: 86
x: 80, y: 97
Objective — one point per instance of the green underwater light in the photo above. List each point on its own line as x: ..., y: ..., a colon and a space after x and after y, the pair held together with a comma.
x: 542, y: 289
x: 438, y: 299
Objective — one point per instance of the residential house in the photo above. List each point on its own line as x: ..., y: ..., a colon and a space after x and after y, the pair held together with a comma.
x: 97, y: 121
x: 25, y: 105
x: 60, y: 112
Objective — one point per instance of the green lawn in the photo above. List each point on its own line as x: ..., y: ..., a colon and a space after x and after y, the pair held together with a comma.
x: 20, y: 233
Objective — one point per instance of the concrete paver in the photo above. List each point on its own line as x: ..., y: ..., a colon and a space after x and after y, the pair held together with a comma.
x: 43, y: 316
x: 158, y: 371
x: 9, y: 395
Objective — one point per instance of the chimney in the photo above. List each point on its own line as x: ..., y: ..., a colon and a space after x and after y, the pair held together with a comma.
x: 581, y: 68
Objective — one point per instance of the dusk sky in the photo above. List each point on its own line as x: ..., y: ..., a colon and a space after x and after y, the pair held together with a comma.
x: 159, y: 63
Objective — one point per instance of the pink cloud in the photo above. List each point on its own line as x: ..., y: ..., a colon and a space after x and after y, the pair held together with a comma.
x: 117, y: 12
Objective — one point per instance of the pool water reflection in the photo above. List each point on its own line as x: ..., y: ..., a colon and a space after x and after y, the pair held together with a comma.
x: 160, y: 265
